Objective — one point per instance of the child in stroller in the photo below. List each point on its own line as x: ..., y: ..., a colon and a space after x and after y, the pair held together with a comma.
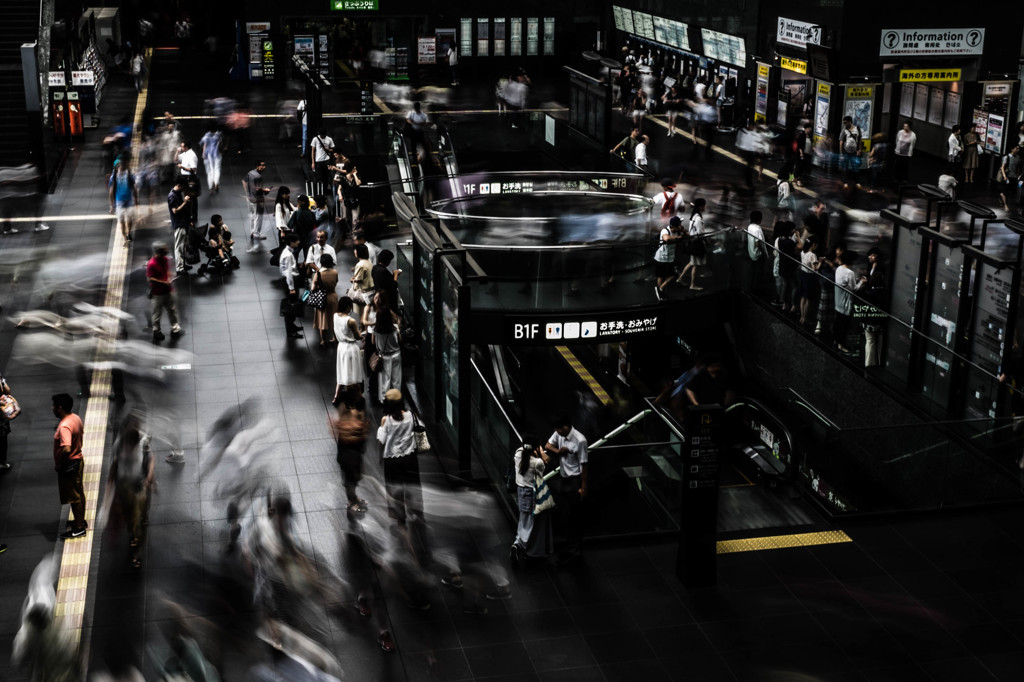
x: 217, y: 247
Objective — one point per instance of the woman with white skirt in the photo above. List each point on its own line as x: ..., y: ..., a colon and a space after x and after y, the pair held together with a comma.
x: 350, y: 359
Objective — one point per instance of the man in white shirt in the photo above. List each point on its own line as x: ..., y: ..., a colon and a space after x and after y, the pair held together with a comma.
x: 300, y: 111
x: 188, y: 162
x: 453, y: 62
x: 289, y: 266
x: 904, y: 149
x: 571, y: 448
x: 317, y: 250
x: 416, y: 120
x: 323, y: 153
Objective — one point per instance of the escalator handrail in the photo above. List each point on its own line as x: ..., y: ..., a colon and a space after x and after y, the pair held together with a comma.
x: 497, y: 402
x: 750, y: 402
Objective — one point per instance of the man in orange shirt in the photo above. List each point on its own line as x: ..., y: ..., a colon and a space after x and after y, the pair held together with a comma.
x: 68, y: 462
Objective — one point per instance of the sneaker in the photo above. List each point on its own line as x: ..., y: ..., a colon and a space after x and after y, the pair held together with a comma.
x: 453, y: 582
x: 175, y: 458
x: 252, y: 249
x: 657, y: 293
x: 12, y: 230
x: 696, y: 288
x: 387, y: 644
x: 176, y: 333
x: 4, y: 466
x: 73, y: 533
x: 363, y: 607
x: 42, y: 227
x: 3, y: 548
x: 502, y: 593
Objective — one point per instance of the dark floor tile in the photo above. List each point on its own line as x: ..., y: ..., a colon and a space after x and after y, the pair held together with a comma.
x: 846, y: 560
x: 668, y: 610
x: 897, y: 672
x: 648, y: 670
x: 615, y: 647
x: 985, y: 638
x: 745, y: 570
x: 636, y: 587
x: 427, y: 636
x: 928, y: 583
x: 544, y: 624
x: 958, y: 670
x: 442, y: 664
x: 590, y: 673
x: 825, y: 595
x: 1003, y: 604
x: 534, y: 595
x: 956, y: 611
x: 592, y: 618
x: 584, y: 587
x: 873, y: 651
x: 561, y: 652
x: 813, y: 659
x: 679, y: 640
x: 492, y: 628
x: 493, y: 660
x: 1004, y: 666
x: 795, y: 565
x: 708, y: 667
x: 934, y: 644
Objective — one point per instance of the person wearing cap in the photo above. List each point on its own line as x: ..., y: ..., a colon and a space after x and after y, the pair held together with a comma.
x: 533, y: 535
x: 665, y: 256
x: 667, y: 202
x: 398, y: 452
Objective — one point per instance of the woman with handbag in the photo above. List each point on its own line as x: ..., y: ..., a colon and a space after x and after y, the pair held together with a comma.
x: 349, y: 363
x: 697, y: 247
x: 398, y: 452
x: 10, y: 407
x: 283, y: 209
x: 326, y: 279
x: 533, y: 536
x: 386, y: 343
x: 361, y: 287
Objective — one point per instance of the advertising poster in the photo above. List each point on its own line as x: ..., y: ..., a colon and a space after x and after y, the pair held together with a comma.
x: 981, y: 123
x: 821, y: 111
x: 859, y: 103
x: 761, y: 98
x: 935, y: 110
x: 920, y: 102
x: 907, y: 100
x: 304, y: 47
x: 952, y: 109
x: 426, y: 50
x: 994, y: 136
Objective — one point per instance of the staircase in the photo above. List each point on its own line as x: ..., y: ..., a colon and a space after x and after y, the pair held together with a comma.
x: 21, y: 25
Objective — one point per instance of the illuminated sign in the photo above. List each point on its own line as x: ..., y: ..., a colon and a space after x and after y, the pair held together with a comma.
x: 931, y: 41
x: 929, y: 75
x: 797, y: 33
x: 797, y: 65
x: 599, y: 327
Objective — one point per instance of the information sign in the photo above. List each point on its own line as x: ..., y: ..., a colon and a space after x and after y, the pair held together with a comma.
x: 931, y: 42
x: 797, y: 33
x: 929, y: 75
x: 695, y: 561
x: 797, y: 65
x: 426, y: 50
x: 597, y: 327
x: 353, y: 5
x: 57, y: 79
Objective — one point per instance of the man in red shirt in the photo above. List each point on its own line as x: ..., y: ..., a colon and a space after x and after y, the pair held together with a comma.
x: 161, y: 292
x: 68, y: 462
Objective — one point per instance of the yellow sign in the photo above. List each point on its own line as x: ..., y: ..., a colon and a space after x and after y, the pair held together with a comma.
x: 929, y: 75
x: 793, y: 64
x: 762, y: 70
x: 824, y: 89
x: 859, y: 92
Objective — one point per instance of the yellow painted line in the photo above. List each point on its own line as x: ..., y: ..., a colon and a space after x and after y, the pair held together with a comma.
x: 76, y: 555
x: 62, y: 218
x: 380, y: 105
x: 587, y: 377
x: 343, y: 67
x: 828, y: 537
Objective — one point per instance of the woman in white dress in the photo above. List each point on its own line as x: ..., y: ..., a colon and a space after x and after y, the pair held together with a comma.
x: 350, y: 358
x: 283, y: 209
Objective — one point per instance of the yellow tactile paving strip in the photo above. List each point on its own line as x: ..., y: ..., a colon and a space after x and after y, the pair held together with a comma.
x: 77, y: 554
x: 587, y: 377
x: 828, y: 537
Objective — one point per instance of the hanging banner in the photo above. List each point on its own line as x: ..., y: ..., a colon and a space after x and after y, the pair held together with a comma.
x: 797, y: 33
x: 931, y: 41
x: 797, y: 65
x: 821, y: 111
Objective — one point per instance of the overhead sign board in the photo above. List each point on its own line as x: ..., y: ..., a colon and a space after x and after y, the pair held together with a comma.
x: 797, y: 65
x: 929, y: 75
x: 257, y: 26
x: 797, y: 33
x: 598, y: 327
x: 348, y: 5
x: 931, y: 42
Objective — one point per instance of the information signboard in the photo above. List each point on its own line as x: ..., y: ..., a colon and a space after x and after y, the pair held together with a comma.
x: 695, y: 561
x: 993, y: 293
x: 643, y: 25
x: 797, y: 33
x: 426, y: 50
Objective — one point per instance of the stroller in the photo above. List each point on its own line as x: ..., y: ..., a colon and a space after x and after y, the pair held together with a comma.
x: 219, y: 257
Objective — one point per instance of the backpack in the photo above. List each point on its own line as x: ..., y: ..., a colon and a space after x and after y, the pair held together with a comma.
x: 851, y: 143
x: 668, y: 209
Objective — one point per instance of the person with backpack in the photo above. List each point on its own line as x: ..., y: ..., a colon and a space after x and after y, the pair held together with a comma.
x: 849, y: 153
x: 665, y: 256
x: 124, y: 195
x: 667, y: 202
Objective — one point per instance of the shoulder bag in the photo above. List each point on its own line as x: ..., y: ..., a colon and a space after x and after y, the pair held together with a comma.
x: 9, y: 406
x: 419, y: 433
x: 316, y: 298
x: 542, y: 497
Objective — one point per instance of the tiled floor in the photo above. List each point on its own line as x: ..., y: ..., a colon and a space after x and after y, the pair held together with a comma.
x: 936, y: 597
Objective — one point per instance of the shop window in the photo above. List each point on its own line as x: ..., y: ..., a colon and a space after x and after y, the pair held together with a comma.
x: 466, y: 37
x: 532, y: 36
x: 549, y: 35
x: 483, y: 37
x: 499, y: 37
x: 515, y: 47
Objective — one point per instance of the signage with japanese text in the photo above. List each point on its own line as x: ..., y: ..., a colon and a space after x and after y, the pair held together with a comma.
x: 426, y: 49
x: 57, y: 79
x: 797, y: 65
x: 257, y: 27
x: 929, y: 75
x: 83, y: 78
x: 595, y: 326
x: 797, y: 33
x: 348, y: 5
x: 941, y: 42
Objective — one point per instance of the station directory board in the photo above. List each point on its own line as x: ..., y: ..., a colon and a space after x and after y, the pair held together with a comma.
x: 643, y: 25
x: 623, y: 19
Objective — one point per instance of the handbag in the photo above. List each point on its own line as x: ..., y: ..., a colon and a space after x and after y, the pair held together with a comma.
x: 68, y: 467
x: 9, y: 406
x: 419, y: 433
x: 291, y: 307
x: 542, y: 497
x: 315, y: 298
x: 375, y: 362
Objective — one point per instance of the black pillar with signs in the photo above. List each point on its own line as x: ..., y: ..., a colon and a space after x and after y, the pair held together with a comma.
x: 698, y: 523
